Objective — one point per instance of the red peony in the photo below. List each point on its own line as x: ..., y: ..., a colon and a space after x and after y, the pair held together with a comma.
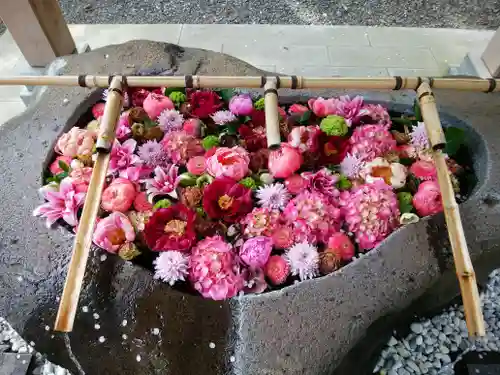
x: 254, y: 138
x: 204, y: 103
x: 171, y: 228
x: 138, y: 95
x: 226, y: 199
x: 258, y: 118
x: 333, y: 149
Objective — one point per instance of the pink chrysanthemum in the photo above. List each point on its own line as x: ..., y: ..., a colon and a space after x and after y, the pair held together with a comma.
x: 223, y: 117
x: 303, y: 259
x: 164, y: 182
x: 274, y: 196
x: 349, y: 108
x: 150, y: 151
x: 371, y: 212
x: 370, y: 141
x: 352, y: 166
x: 313, y: 216
x: 170, y: 120
x: 171, y: 266
x: 322, y: 181
x: 260, y: 222
x: 377, y: 113
x: 418, y: 138
x: 213, y: 269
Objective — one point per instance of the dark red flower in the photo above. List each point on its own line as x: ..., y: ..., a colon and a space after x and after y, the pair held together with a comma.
x: 204, y: 103
x: 259, y: 159
x: 254, y: 138
x: 138, y: 95
x: 226, y: 199
x: 171, y: 228
x: 333, y: 149
x: 258, y: 118
x: 158, y: 91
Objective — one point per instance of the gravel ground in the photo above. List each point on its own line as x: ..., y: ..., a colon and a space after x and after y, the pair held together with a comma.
x: 434, y: 346
x: 422, y: 13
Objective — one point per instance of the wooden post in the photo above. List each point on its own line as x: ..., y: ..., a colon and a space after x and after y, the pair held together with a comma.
x: 39, y: 29
x: 491, y: 55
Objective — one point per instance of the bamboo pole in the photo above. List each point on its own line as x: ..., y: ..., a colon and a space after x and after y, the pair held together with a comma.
x: 461, y: 257
x: 272, y: 116
x: 83, y: 240
x: 289, y: 82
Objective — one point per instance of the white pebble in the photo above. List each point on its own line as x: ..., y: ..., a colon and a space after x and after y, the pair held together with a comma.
x: 102, y: 339
x: 32, y: 343
x: 19, y: 278
x: 97, y: 326
x: 124, y: 323
x: 47, y: 328
x: 155, y: 331
x: 138, y: 358
x: 103, y: 257
x: 85, y: 309
x: 124, y: 336
x: 96, y: 316
x: 211, y: 345
x: 232, y: 358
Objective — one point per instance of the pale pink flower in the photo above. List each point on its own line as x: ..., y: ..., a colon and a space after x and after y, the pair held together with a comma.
x: 351, y: 166
x: 136, y: 173
x: 122, y: 156
x: 323, y: 107
x: 229, y: 162
x: 223, y: 117
x: 377, y: 113
x: 322, y: 181
x: 113, y: 231
x: 274, y: 196
x: 170, y: 120
x: 418, y: 138
x: 77, y: 142
x: 213, y: 269
x: 155, y: 104
x: 81, y: 178
x: 256, y: 251
x: 118, y: 196
x: 241, y: 105
x: 427, y: 200
x: 305, y: 138
x: 424, y: 170
x: 149, y: 151
x: 196, y: 165
x: 62, y: 204
x: 285, y: 161
x: 165, y: 180
x: 171, y: 266
x: 371, y: 213
x: 303, y: 259
x: 370, y: 141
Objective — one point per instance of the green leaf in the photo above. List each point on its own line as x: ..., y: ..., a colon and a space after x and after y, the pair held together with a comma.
x: 148, y: 123
x: 412, y: 183
x: 401, y: 121
x: 304, y: 119
x: 417, y: 111
x: 406, y: 161
x: 246, y: 119
x: 455, y: 138
x: 63, y: 166
x: 169, y: 90
x: 226, y: 94
x: 232, y: 128
x: 405, y: 208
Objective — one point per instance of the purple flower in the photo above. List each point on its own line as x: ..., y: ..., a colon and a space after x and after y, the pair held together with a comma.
x: 170, y: 120
x: 62, y: 204
x: 241, y: 105
x: 419, y: 138
x: 171, y: 266
x: 150, y: 151
x: 303, y: 259
x: 274, y: 196
x: 256, y: 251
x: 352, y: 166
x: 223, y: 117
x: 322, y: 181
x: 122, y: 156
x: 164, y: 182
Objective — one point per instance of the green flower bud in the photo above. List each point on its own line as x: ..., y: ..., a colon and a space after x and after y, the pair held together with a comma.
x: 344, y: 183
x: 187, y: 179
x: 164, y: 203
x: 259, y: 104
x: 405, y: 202
x: 204, y: 179
x: 177, y: 98
x: 334, y: 125
x: 210, y: 141
x: 249, y: 182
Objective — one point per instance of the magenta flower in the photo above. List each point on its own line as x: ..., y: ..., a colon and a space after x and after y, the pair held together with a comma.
x: 123, y: 129
x: 62, y: 204
x: 241, y: 105
x: 113, y: 232
x: 323, y: 181
x: 165, y: 180
x: 256, y: 251
x: 370, y: 141
x: 122, y: 156
x: 349, y: 109
x: 427, y: 200
x: 377, y: 113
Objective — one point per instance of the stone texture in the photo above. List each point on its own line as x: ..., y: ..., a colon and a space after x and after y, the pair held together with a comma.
x: 310, y: 328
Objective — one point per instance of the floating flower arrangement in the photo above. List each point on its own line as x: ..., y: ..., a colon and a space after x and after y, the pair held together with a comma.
x: 194, y: 193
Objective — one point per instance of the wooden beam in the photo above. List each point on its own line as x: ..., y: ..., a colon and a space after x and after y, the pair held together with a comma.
x: 39, y: 29
x: 491, y: 55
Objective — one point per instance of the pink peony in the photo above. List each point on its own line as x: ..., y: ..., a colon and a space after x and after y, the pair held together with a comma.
x: 113, y: 231
x: 81, y: 178
x: 370, y: 141
x: 427, y: 200
x: 424, y: 170
x: 213, y: 269
x: 296, y: 183
x: 305, y: 138
x: 313, y: 216
x: 76, y: 142
x: 196, y: 165
x: 229, y: 162
x: 155, y: 104
x: 118, y: 196
x: 323, y: 181
x: 371, y: 212
x: 256, y: 251
x: 322, y: 107
x: 241, y: 105
x: 55, y: 168
x: 122, y: 156
x: 285, y: 161
x: 141, y: 203
x: 341, y: 244
x: 260, y: 222
x: 297, y: 109
x: 62, y: 204
x: 164, y: 181
x: 192, y: 126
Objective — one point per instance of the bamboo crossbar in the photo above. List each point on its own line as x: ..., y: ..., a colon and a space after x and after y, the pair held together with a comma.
x: 286, y: 82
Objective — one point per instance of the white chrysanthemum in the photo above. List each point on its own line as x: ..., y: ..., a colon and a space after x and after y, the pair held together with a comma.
x: 274, y: 196
x: 171, y: 266
x: 418, y: 137
x: 351, y: 166
x: 223, y: 117
x: 170, y: 120
x: 303, y: 259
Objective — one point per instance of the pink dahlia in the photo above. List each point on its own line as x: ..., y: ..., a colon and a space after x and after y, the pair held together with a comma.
x: 352, y: 166
x: 113, y: 232
x: 376, y: 113
x: 370, y: 141
x: 62, y: 204
x: 371, y: 212
x: 165, y: 180
x: 122, y: 156
x: 424, y: 170
x: 303, y: 259
x: 228, y: 162
x: 170, y: 120
x: 427, y: 200
x: 313, y: 216
x: 171, y: 266
x: 223, y: 117
x: 274, y: 196
x: 260, y: 222
x: 305, y: 138
x: 256, y: 251
x: 283, y: 236
x: 322, y: 181
x: 213, y: 269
